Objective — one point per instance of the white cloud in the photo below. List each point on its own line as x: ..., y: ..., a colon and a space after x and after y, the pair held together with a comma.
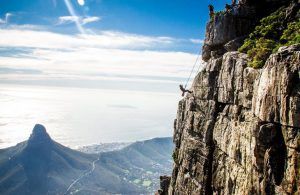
x: 6, y: 18
x: 73, y: 13
x: 86, y: 56
x: 22, y: 37
x: 90, y: 19
x: 196, y: 41
x: 67, y: 19
x: 74, y: 19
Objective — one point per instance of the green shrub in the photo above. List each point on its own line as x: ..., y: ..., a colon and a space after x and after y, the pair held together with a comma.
x: 175, y: 156
x: 291, y: 35
x: 272, y: 33
x: 271, y: 27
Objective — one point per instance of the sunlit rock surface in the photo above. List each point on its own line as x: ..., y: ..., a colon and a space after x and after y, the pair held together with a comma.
x: 239, y: 132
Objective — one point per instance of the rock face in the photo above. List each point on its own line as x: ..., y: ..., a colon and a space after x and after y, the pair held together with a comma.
x: 226, y: 30
x: 239, y: 132
x: 39, y: 136
x: 164, y: 185
x: 227, y: 27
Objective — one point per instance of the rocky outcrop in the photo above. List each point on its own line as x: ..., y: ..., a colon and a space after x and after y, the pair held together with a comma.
x: 164, y: 185
x: 39, y: 136
x: 239, y: 132
x: 227, y: 30
x: 277, y: 95
x: 227, y: 26
x: 39, y: 142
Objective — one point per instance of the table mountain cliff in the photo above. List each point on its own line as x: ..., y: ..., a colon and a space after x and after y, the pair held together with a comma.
x: 239, y: 131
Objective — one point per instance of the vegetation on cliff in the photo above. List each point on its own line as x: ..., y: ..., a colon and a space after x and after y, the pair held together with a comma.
x: 273, y: 32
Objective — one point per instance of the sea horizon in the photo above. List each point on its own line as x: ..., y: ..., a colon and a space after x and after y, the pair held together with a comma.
x: 60, y: 109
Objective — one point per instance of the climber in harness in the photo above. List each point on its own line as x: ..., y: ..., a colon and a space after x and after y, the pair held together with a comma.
x: 184, y: 90
x: 211, y: 10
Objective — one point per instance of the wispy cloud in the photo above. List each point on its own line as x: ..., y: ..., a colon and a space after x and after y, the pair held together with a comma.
x: 81, y: 20
x: 6, y: 18
x: 73, y: 13
x: 67, y: 19
x: 22, y: 37
x: 6, y: 70
x: 196, y: 41
x: 90, y: 19
x: 107, y: 55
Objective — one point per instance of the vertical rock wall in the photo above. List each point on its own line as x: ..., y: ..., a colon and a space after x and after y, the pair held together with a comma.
x: 239, y: 132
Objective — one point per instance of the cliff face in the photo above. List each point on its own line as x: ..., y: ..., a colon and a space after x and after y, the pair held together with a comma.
x: 239, y: 132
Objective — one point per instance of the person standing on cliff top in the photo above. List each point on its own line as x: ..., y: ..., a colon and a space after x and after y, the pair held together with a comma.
x: 211, y: 10
x: 228, y: 8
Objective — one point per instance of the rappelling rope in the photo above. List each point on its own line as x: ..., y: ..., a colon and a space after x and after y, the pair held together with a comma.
x: 194, y: 66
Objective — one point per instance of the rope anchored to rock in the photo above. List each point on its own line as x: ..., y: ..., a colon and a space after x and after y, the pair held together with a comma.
x: 183, y: 88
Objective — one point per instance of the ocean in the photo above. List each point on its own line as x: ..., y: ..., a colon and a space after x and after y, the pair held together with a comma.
x: 80, y: 116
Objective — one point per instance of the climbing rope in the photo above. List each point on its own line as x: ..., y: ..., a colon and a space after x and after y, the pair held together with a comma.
x: 194, y: 66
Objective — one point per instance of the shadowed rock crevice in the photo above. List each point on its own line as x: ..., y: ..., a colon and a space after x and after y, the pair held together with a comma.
x: 271, y: 154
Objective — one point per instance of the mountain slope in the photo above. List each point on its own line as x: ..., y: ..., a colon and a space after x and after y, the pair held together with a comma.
x: 133, y: 170
x: 43, y: 166
x: 40, y: 165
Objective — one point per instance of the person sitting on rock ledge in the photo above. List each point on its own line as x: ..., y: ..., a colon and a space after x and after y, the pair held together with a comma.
x: 184, y: 90
x: 211, y: 10
x: 228, y: 8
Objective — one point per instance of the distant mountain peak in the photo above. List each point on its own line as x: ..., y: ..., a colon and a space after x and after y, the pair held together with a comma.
x: 39, y: 135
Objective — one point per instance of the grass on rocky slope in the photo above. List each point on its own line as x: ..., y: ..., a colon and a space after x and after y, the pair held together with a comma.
x: 272, y: 33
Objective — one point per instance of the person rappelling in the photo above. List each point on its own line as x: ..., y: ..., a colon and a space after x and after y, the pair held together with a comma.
x: 184, y: 90
x: 211, y: 10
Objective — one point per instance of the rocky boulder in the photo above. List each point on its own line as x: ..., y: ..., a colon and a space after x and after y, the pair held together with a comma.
x: 225, y: 27
x: 277, y: 97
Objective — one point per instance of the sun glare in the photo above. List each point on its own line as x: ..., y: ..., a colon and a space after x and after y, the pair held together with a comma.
x: 81, y: 2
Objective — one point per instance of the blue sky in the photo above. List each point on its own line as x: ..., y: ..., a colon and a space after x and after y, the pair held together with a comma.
x: 133, y: 52
x: 176, y: 18
x: 95, y: 39
x: 171, y: 18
